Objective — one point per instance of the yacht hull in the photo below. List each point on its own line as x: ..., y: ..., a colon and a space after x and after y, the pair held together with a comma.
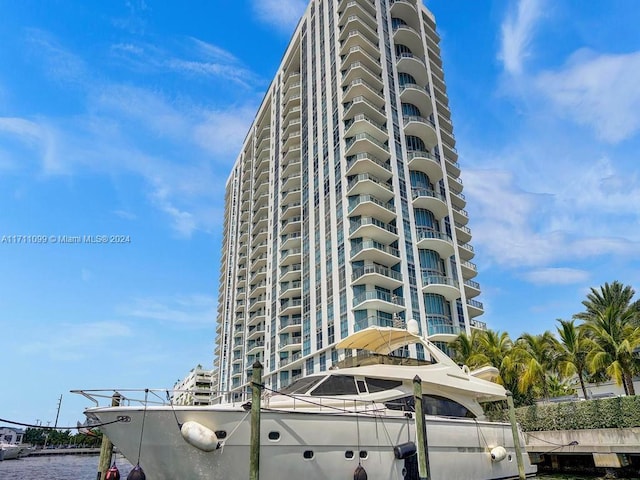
x: 310, y: 445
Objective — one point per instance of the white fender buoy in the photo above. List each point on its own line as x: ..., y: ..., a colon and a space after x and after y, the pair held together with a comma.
x: 466, y: 370
x: 498, y: 454
x: 199, y: 436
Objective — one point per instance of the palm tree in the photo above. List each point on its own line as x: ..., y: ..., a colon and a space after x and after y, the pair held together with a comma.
x: 611, y: 318
x: 465, y: 347
x: 494, y: 348
x: 616, y: 337
x: 573, y: 349
x: 535, y: 356
x: 616, y: 295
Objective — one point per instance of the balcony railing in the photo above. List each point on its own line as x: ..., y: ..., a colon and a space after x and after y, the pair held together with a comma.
x: 378, y: 295
x: 377, y: 269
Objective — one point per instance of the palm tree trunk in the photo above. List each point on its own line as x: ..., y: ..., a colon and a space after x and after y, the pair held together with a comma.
x: 584, y: 389
x: 628, y: 380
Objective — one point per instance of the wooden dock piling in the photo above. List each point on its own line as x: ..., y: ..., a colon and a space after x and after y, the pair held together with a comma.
x: 421, y: 432
x: 256, y: 391
x: 516, y: 436
x: 106, y: 448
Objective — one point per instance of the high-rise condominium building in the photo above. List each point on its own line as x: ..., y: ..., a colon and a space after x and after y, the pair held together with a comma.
x: 344, y: 208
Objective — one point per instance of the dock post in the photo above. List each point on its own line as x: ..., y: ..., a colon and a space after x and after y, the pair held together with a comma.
x: 516, y: 436
x: 421, y: 431
x: 106, y: 448
x: 256, y: 391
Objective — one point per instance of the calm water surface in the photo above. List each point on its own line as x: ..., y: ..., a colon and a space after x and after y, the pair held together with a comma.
x: 64, y: 467
x: 85, y: 467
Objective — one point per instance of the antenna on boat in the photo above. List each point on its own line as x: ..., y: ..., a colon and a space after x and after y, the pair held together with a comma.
x: 413, y: 327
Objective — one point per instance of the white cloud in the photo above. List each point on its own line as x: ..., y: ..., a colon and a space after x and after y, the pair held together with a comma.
x: 196, y: 309
x: 557, y: 276
x: 515, y: 228
x: 73, y: 342
x: 284, y: 14
x: 599, y: 91
x: 517, y: 32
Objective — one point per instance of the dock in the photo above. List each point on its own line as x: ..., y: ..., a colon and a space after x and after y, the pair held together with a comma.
x: 64, y: 451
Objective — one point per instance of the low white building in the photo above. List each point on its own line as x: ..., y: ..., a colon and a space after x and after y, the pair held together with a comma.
x: 11, y: 435
x: 195, y: 389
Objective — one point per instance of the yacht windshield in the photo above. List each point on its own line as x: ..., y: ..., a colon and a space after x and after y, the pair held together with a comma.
x: 302, y: 385
x: 336, y: 385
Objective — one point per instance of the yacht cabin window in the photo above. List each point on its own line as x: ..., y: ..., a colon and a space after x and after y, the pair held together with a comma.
x: 432, y: 405
x: 302, y: 385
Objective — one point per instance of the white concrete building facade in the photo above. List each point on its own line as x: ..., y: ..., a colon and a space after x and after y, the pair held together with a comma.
x: 195, y: 389
x: 345, y: 208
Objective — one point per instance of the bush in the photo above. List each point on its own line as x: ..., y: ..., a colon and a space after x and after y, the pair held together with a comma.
x: 618, y: 412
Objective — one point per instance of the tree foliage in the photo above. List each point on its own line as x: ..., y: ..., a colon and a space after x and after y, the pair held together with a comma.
x: 602, y: 342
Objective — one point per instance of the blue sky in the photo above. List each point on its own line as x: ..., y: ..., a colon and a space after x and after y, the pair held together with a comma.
x: 124, y: 118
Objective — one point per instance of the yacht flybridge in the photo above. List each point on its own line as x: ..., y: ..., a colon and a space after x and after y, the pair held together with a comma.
x: 325, y: 425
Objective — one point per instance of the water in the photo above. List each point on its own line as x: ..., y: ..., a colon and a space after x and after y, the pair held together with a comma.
x: 85, y: 467
x: 62, y: 467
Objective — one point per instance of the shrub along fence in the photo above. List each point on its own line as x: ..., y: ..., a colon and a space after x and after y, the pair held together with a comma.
x: 617, y: 412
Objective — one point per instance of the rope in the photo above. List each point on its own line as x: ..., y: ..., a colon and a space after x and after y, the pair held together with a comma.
x: 173, y: 410
x: 559, y: 445
x: 144, y: 416
x: 77, y: 427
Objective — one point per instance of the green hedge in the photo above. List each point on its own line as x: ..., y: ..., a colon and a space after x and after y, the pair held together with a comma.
x: 617, y: 412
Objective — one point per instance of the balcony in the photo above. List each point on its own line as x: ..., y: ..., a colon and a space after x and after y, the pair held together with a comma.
x: 289, y: 325
x: 379, y: 300
x: 475, y: 308
x: 471, y: 288
x: 403, y: 9
x: 363, y: 106
x: 365, y: 143
x: 294, y: 357
x: 356, y: 38
x: 359, y: 70
x: 409, y: 36
x: 255, y: 333
x: 291, y: 168
x: 290, y: 256
x: 290, y: 306
x: 361, y: 7
x: 369, y: 227
x: 466, y: 251
x: 420, y: 127
x: 366, y: 25
x: 417, y: 95
x: 423, y: 161
x: 363, y: 124
x: 290, y: 344
x: 430, y: 200
x: 477, y: 324
x: 366, y: 163
x: 290, y: 272
x: 290, y: 289
x: 290, y: 196
x: 469, y: 269
x: 463, y: 233
x: 366, y: 183
x: 459, y: 215
x: 440, y: 285
x: 290, y: 210
x: 356, y: 16
x: 256, y: 318
x: 290, y: 240
x: 259, y: 274
x: 370, y: 206
x: 289, y: 183
x: 359, y: 87
x: 255, y: 347
x: 373, y: 321
x: 430, y: 239
x: 360, y: 55
x: 414, y: 66
x: 376, y: 275
x: 376, y: 252
x: 291, y: 155
x: 443, y: 333
x: 291, y: 141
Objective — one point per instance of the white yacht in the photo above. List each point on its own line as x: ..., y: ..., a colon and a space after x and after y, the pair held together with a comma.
x: 325, y: 425
x: 9, y: 451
